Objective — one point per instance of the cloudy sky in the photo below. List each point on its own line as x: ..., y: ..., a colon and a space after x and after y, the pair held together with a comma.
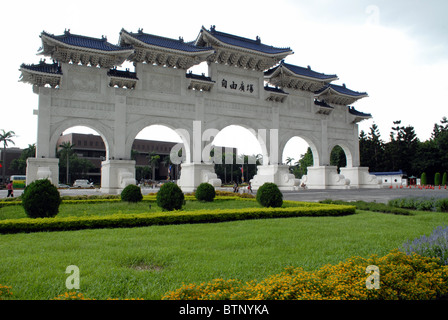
x: 396, y: 50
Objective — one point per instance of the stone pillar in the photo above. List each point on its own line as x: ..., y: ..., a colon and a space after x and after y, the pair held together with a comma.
x: 42, y: 168
x: 116, y: 175
x: 361, y: 178
x: 325, y: 177
x: 193, y: 174
x: 275, y: 173
x: 43, y: 124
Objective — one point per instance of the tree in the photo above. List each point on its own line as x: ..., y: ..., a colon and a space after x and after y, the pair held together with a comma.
x: 302, y: 165
x: 444, y: 179
x: 167, y: 163
x: 153, y: 160
x: 6, y: 138
x: 437, y: 179
x: 400, y: 152
x: 19, y: 165
x: 338, y: 158
x: 65, y: 153
x: 371, y: 149
x: 423, y: 180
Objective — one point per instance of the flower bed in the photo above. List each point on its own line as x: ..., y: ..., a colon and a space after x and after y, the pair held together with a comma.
x: 402, y: 277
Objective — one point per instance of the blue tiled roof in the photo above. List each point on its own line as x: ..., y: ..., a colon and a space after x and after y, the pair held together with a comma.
x: 53, y: 68
x: 355, y: 112
x: 166, y: 42
x: 272, y: 89
x: 306, y: 72
x: 343, y: 90
x: 322, y: 104
x: 85, y: 42
x: 400, y: 172
x: 255, y: 45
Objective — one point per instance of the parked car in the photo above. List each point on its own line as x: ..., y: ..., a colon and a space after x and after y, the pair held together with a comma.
x: 82, y: 183
x: 63, y: 186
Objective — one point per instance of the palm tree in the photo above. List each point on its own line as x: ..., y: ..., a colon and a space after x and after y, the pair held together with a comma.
x: 289, y: 161
x: 167, y: 163
x: 66, y: 151
x: 153, y: 163
x: 5, y: 138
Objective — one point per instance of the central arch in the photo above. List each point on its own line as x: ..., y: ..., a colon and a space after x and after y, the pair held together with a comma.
x: 182, y: 128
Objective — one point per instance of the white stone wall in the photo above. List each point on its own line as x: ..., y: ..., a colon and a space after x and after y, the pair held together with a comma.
x: 162, y: 97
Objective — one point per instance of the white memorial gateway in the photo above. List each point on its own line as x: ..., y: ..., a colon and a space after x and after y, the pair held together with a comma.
x: 248, y: 84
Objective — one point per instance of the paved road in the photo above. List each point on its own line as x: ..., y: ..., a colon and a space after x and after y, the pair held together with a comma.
x: 369, y: 195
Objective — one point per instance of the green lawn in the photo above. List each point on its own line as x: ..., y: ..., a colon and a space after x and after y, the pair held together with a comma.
x: 146, y: 262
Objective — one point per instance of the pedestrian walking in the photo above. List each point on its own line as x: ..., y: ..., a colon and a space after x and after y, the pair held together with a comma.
x: 10, y: 190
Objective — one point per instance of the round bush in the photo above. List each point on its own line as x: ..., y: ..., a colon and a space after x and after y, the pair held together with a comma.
x: 269, y: 195
x: 205, y: 192
x: 41, y: 199
x: 170, y: 197
x: 131, y: 193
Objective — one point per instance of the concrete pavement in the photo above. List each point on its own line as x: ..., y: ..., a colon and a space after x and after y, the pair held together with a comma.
x: 369, y: 195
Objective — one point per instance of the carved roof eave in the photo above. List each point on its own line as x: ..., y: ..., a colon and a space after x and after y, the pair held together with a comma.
x: 122, y: 82
x: 40, y: 79
x: 332, y: 96
x: 241, y: 57
x: 284, y: 78
x: 200, y: 85
x: 152, y: 54
x: 297, y: 83
x: 63, y: 52
x: 276, y: 96
x: 357, y: 119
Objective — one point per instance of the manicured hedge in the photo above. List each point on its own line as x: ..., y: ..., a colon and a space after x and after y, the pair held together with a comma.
x: 164, y: 218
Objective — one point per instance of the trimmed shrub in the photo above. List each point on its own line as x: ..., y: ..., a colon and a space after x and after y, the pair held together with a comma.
x: 269, y: 195
x: 423, y: 179
x: 205, y: 192
x: 131, y: 193
x: 180, y: 217
x: 437, y: 179
x: 444, y: 179
x: 41, y: 199
x: 170, y: 197
x: 442, y: 205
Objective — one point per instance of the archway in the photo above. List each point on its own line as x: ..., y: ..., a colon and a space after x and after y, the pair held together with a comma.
x: 158, y: 151
x: 298, y: 155
x: 80, y: 150
x: 341, y: 155
x: 237, y: 153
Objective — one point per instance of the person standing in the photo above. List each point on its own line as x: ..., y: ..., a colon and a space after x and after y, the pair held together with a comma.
x: 10, y: 190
